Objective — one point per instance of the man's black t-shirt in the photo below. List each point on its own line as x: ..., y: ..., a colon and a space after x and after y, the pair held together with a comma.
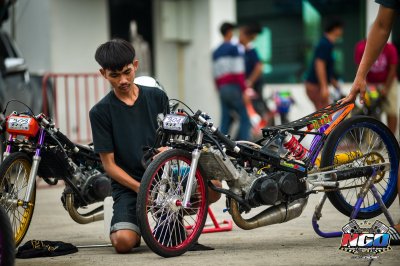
x: 125, y: 130
x: 393, y: 4
x: 323, y: 51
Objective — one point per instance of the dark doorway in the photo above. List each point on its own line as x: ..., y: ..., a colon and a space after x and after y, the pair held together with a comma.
x: 122, y: 12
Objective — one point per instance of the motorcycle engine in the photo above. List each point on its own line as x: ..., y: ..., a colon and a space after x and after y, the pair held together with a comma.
x: 94, y: 186
x: 274, y: 188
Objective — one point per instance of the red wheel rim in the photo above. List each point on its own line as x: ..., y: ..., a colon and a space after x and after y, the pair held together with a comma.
x: 163, y: 211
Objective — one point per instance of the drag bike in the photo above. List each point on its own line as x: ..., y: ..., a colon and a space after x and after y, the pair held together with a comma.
x: 276, y: 171
x: 7, y: 246
x: 35, y: 147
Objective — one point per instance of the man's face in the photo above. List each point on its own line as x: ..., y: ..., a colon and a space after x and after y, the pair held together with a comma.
x: 229, y: 34
x: 246, y: 38
x: 338, y: 33
x: 121, y: 80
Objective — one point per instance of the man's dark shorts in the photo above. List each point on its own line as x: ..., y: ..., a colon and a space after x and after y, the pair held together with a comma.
x: 124, y: 217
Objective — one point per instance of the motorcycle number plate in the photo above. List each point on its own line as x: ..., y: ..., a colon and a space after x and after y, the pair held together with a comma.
x: 174, y: 122
x: 19, y: 123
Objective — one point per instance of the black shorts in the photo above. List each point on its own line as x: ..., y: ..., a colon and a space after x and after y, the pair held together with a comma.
x: 124, y: 216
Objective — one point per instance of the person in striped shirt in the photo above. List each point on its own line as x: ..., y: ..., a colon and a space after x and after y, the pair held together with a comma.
x: 229, y: 75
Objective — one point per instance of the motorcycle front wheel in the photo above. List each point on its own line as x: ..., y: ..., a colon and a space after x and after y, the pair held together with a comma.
x: 168, y: 228
x: 14, y: 176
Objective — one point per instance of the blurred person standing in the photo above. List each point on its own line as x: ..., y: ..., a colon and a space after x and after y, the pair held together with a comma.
x: 229, y: 75
x: 321, y: 71
x: 253, y: 65
x: 383, y: 74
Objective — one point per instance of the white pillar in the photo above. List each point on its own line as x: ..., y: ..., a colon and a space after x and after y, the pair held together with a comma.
x: 220, y: 11
x: 184, y: 66
x: 371, y: 12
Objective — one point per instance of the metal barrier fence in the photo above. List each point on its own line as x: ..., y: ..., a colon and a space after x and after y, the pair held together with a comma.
x: 68, y: 97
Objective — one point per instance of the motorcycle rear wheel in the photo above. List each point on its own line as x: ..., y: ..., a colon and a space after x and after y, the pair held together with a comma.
x: 372, y: 139
x: 166, y: 226
x: 14, y: 176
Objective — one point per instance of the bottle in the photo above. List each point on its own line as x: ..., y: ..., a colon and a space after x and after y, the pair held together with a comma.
x: 294, y: 146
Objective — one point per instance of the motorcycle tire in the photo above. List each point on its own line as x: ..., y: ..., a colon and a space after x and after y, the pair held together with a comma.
x: 14, y: 176
x: 7, y: 246
x: 376, y: 142
x: 166, y: 226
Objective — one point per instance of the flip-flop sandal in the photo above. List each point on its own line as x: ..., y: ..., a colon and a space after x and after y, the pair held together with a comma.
x: 394, y: 236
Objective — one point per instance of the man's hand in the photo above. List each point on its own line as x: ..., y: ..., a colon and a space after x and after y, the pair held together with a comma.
x: 359, y: 86
x: 384, y: 93
x: 246, y: 98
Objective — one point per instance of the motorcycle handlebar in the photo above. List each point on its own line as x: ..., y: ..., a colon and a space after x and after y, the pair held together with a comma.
x: 66, y: 141
x: 228, y: 142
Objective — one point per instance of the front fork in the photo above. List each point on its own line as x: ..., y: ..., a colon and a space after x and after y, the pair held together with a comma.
x: 34, y: 169
x: 192, y: 173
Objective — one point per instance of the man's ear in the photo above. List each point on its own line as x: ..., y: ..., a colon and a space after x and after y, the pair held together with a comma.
x: 102, y: 72
x: 135, y: 64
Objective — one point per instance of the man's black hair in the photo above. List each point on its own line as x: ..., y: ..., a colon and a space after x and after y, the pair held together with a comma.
x: 115, y: 54
x: 253, y: 28
x: 225, y: 27
x: 333, y: 24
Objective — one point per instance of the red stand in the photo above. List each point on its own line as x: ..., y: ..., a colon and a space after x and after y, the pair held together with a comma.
x: 217, y: 228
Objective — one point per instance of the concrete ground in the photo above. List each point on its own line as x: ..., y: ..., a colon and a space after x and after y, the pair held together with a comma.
x: 291, y: 243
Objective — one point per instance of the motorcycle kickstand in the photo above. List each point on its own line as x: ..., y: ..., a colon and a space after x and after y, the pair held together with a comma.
x: 369, y: 185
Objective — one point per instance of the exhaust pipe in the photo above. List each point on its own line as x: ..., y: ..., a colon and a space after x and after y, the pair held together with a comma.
x: 92, y: 216
x: 273, y: 215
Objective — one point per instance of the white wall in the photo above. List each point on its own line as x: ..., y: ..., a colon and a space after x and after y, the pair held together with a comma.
x: 372, y: 10
x: 165, y: 55
x: 32, y: 28
x: 77, y: 29
x: 59, y: 35
x: 217, y: 18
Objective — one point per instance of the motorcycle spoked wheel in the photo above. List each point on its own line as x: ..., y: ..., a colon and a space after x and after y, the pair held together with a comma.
x: 374, y: 140
x: 7, y: 246
x: 14, y: 176
x: 168, y: 228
